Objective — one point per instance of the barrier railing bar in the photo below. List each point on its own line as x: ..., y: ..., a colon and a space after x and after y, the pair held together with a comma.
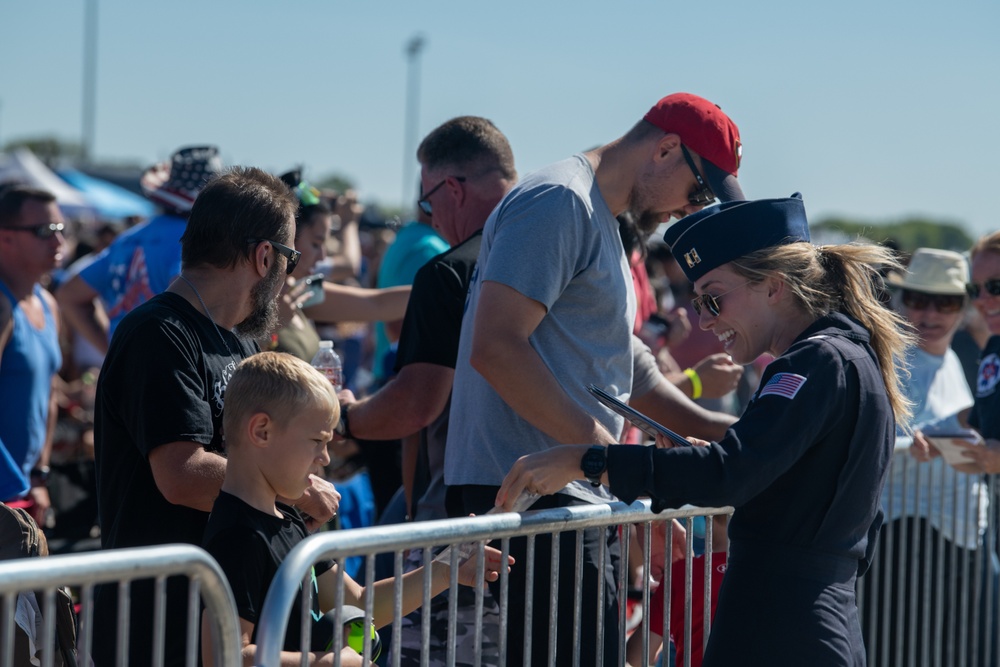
x: 274, y: 615
x: 122, y: 566
x: 529, y: 598
x: 647, y: 539
x: 554, y: 597
x: 7, y: 646
x: 577, y: 597
x: 425, y: 626
x: 602, y: 563
x: 504, y: 600
x: 707, y: 600
x: 622, y: 606
x: 480, y: 592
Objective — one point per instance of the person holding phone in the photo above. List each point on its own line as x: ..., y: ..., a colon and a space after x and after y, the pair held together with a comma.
x: 307, y: 298
x: 805, y: 464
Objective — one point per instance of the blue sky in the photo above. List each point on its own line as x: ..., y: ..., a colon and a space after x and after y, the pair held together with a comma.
x: 875, y: 110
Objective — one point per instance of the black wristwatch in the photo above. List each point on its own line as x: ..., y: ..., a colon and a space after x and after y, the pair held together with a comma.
x: 594, y: 463
x: 342, y: 428
x: 40, y: 474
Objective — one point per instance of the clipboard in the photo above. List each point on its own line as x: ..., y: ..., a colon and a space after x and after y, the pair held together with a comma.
x: 636, y: 418
x: 952, y: 454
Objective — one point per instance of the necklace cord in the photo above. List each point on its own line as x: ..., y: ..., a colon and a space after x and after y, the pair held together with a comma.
x: 218, y: 330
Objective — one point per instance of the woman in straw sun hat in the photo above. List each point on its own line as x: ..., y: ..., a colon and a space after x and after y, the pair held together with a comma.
x: 928, y: 503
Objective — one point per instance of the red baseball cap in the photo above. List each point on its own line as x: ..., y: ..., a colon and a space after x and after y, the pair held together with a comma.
x: 703, y: 127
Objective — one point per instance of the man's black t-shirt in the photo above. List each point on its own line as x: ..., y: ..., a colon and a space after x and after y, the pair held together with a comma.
x: 433, y: 320
x: 431, y: 328
x: 250, y: 545
x: 163, y: 381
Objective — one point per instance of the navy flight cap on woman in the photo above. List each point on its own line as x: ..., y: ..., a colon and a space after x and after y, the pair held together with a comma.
x: 746, y: 225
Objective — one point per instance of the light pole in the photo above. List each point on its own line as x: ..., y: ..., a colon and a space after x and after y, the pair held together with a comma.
x: 89, y: 79
x: 413, y: 49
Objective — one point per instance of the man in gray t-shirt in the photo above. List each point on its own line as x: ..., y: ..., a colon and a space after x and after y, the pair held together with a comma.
x: 550, y: 310
x: 558, y: 249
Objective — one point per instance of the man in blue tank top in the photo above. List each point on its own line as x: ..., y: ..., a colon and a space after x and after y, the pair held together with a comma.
x: 31, y: 243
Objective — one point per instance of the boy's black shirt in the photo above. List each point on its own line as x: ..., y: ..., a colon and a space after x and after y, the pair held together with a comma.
x: 250, y: 545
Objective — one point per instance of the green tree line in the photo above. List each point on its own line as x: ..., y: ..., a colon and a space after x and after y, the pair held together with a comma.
x: 907, y: 235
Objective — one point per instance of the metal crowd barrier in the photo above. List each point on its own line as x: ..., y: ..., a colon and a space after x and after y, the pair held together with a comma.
x: 295, y: 572
x: 122, y: 566
x: 930, y: 598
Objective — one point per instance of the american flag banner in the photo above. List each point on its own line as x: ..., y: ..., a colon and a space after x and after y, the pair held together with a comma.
x: 783, y: 384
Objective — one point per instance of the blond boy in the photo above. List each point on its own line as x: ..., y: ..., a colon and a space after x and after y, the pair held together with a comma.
x: 279, y: 418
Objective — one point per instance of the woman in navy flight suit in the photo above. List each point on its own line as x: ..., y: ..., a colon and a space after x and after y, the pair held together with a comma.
x: 805, y: 464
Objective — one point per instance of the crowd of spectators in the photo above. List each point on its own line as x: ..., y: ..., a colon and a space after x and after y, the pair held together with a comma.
x: 468, y: 336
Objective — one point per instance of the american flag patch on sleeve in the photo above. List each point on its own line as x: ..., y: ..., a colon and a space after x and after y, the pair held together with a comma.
x: 783, y: 384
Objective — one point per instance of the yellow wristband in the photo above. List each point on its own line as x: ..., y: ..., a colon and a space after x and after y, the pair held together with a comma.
x: 692, y: 375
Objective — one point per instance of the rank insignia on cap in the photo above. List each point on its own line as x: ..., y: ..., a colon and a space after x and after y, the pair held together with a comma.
x: 719, y: 234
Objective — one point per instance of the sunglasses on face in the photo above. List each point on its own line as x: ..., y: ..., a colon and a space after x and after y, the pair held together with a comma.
x: 41, y: 231
x: 943, y: 303
x: 290, y: 254
x: 701, y: 195
x: 991, y: 287
x: 711, y: 303
x: 424, y: 202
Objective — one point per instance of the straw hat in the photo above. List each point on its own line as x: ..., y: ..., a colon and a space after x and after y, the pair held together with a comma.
x: 934, y: 271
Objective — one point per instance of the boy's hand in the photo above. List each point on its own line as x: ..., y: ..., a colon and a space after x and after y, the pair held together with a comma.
x: 319, y: 503
x: 467, y: 570
x: 348, y: 658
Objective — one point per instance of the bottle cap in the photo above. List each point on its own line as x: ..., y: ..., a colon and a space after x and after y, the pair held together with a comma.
x: 325, y: 343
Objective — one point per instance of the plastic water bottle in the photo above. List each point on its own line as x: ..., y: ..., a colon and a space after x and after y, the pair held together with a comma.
x: 328, y: 363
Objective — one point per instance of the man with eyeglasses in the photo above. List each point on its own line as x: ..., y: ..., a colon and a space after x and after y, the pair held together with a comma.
x: 160, y: 395
x: 31, y: 244
x: 415, y: 244
x: 467, y: 166
x: 549, y: 312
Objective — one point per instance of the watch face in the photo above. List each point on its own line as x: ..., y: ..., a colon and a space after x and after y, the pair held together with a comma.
x: 594, y: 462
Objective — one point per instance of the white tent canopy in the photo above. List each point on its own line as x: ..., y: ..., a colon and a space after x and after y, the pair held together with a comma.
x: 23, y: 166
